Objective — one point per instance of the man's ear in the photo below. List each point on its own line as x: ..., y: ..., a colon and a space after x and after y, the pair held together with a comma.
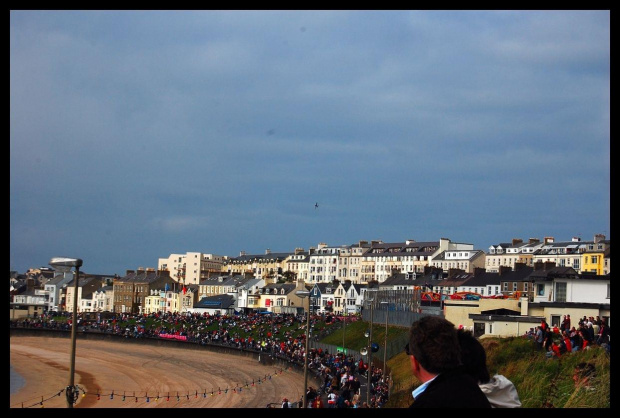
x: 415, y: 366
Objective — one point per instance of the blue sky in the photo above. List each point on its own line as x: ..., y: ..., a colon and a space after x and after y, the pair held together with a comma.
x: 138, y: 134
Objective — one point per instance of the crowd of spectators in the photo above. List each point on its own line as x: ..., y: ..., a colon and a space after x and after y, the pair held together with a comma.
x: 340, y: 375
x: 567, y: 338
x: 270, y: 334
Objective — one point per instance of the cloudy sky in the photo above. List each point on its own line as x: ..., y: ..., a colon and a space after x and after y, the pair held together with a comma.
x: 138, y: 134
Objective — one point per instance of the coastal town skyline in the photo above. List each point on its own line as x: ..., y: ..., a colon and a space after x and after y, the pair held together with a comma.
x: 170, y: 262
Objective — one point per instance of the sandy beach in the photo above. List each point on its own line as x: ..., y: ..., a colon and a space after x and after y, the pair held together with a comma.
x: 103, y: 367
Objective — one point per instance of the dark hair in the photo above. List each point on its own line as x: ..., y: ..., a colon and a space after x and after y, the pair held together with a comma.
x: 473, y: 356
x: 434, y: 343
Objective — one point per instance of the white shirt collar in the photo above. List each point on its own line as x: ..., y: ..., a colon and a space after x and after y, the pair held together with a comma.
x: 422, y: 388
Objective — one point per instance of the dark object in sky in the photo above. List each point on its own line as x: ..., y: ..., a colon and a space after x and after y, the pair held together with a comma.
x: 316, y: 205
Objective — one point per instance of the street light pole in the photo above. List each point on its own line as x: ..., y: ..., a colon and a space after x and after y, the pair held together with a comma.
x: 344, y: 326
x: 368, y: 373
x: 305, y: 294
x: 65, y: 264
x: 387, y: 314
x: 369, y: 356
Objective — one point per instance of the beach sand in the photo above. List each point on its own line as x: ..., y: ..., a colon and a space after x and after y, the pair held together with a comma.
x: 139, y: 370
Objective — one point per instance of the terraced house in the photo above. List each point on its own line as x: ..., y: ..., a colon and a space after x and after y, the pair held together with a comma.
x: 131, y: 290
x: 574, y: 253
x: 268, y: 266
x: 509, y: 254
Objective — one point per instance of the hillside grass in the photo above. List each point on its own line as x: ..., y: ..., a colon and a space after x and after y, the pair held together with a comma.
x: 540, y: 382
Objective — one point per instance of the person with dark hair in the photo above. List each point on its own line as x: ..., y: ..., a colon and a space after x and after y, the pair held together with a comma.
x: 435, y: 356
x: 500, y: 391
x: 603, y: 333
x: 549, y: 338
x: 576, y: 340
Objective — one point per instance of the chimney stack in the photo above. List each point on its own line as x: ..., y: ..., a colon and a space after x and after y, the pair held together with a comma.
x: 549, y: 265
x: 479, y: 270
x: 504, y: 269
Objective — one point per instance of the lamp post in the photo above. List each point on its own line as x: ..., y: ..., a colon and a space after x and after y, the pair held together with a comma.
x: 368, y: 373
x: 64, y: 264
x: 387, y: 313
x: 344, y: 326
x: 305, y: 294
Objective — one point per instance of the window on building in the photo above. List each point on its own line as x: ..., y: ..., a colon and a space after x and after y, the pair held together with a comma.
x: 540, y: 289
x: 514, y: 286
x: 560, y: 292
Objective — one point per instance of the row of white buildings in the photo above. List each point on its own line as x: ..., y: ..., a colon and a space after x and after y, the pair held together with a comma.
x: 365, y: 261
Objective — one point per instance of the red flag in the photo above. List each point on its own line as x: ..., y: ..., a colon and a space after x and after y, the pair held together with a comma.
x: 184, y: 289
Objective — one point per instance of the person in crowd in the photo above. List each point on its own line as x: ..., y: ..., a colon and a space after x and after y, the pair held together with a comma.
x: 548, y: 339
x: 554, y: 351
x: 500, y: 391
x: 539, y: 339
x: 530, y: 334
x: 435, y: 355
x: 318, y: 402
x: 355, y: 385
x: 585, y: 345
x: 589, y: 333
x: 563, y: 324
x: 576, y: 340
x: 603, y: 333
x: 567, y: 342
x: 332, y: 398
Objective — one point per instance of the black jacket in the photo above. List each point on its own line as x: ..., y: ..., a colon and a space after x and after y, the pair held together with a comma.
x: 453, y: 389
